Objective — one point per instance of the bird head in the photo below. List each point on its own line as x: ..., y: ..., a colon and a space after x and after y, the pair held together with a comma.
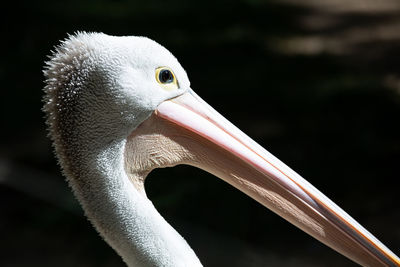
x: 103, y: 90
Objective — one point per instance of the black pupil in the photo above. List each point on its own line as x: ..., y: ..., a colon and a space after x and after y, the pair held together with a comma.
x: 166, y: 76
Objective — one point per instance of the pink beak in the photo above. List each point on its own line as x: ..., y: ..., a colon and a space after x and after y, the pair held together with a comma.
x: 223, y: 150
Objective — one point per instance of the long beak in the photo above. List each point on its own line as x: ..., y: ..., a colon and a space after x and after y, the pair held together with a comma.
x: 228, y: 153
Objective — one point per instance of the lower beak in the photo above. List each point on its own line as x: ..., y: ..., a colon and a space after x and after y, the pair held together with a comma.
x: 225, y: 151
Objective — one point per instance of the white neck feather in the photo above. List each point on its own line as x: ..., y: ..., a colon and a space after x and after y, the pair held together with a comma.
x: 126, y: 219
x: 97, y: 93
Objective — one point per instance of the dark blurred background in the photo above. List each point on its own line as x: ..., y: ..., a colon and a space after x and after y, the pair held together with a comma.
x: 317, y: 83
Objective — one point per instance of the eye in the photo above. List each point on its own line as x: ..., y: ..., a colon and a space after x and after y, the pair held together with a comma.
x: 166, y: 78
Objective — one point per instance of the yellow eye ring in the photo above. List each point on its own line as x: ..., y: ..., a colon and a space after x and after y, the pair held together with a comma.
x: 166, y: 78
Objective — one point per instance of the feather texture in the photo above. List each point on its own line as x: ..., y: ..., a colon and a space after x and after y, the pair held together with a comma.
x: 99, y: 88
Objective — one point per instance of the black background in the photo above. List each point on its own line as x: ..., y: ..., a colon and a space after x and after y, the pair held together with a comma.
x: 315, y: 82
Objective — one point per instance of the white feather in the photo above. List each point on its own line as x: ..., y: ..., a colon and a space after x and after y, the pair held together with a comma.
x: 99, y: 89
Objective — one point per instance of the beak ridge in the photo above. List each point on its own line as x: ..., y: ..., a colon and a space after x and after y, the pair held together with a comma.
x: 244, y: 164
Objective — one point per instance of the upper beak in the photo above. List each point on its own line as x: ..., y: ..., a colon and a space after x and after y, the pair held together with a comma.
x: 225, y: 151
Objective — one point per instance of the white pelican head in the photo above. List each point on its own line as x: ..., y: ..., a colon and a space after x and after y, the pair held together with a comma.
x: 118, y: 107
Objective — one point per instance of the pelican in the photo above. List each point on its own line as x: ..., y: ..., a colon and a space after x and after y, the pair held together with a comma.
x: 119, y: 107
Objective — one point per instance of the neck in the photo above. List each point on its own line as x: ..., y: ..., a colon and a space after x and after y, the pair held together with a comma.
x: 125, y: 218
